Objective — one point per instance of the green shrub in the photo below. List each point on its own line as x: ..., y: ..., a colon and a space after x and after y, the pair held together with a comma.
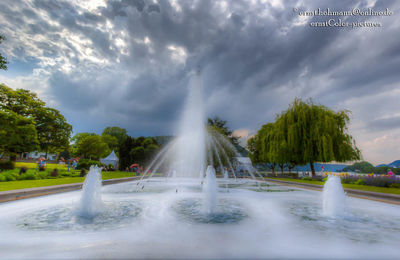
x: 360, y: 182
x: 2, y: 178
x: 43, y: 175
x: 10, y: 177
x: 347, y: 181
x: 86, y: 163
x: 64, y: 173
x: 7, y: 165
x: 31, y: 176
x: 42, y: 168
x: 307, y: 179
x: 27, y: 176
x: 22, y: 170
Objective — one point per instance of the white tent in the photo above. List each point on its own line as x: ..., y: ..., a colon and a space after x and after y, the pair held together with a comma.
x: 110, y: 159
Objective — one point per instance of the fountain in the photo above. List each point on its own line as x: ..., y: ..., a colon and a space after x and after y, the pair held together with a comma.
x: 334, y: 198
x: 149, y: 218
x: 196, y: 146
x: 91, y: 204
x: 210, y: 189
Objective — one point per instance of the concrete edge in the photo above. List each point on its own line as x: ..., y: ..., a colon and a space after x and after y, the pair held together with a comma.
x: 12, y: 195
x: 370, y: 195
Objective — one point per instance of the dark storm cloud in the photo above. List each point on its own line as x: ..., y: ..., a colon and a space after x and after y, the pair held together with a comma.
x: 129, y: 60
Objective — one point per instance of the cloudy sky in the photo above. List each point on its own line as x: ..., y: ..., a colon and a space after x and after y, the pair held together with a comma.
x: 127, y: 62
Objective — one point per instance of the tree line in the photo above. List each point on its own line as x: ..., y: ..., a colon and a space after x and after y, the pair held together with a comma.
x: 305, y: 133
x: 366, y: 167
x: 128, y: 149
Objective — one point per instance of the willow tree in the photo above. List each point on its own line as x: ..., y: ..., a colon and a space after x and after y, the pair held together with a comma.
x: 261, y: 148
x: 315, y: 133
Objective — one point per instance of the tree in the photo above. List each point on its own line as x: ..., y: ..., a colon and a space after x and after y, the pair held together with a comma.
x: 137, y: 154
x: 309, y: 133
x: 52, y: 129
x: 117, y: 132
x: 260, y: 147
x: 124, y: 152
x: 144, y: 150
x: 3, y: 60
x: 220, y: 126
x: 111, y: 141
x: 137, y: 150
x: 364, y: 167
x: 17, y: 134
x: 21, y: 101
x: 90, y: 146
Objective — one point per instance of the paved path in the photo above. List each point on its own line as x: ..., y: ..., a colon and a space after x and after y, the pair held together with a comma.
x: 376, y: 196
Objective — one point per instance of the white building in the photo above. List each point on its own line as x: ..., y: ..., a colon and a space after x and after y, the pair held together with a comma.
x: 36, y: 155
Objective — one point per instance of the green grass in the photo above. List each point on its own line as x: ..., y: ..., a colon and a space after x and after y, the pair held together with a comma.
x: 15, y: 185
x: 115, y: 175
x: 24, y: 184
x: 35, y: 165
x: 298, y: 180
x: 347, y: 186
x: 372, y: 188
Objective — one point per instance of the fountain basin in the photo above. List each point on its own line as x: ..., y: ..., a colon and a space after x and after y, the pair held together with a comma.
x: 271, y: 225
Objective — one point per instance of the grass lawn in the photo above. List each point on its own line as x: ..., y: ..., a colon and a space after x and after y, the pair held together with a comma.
x: 298, y: 180
x: 23, y: 184
x: 348, y: 186
x: 31, y: 165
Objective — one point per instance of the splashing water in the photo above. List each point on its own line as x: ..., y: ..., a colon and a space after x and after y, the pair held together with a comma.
x: 91, y: 204
x: 226, y: 176
x: 196, y: 145
x: 210, y: 189
x: 333, y: 202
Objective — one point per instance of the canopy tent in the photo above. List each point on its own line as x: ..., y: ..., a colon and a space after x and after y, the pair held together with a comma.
x: 110, y: 159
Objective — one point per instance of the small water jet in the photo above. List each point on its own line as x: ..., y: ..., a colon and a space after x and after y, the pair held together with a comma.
x: 210, y: 189
x: 91, y: 204
x: 333, y: 197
